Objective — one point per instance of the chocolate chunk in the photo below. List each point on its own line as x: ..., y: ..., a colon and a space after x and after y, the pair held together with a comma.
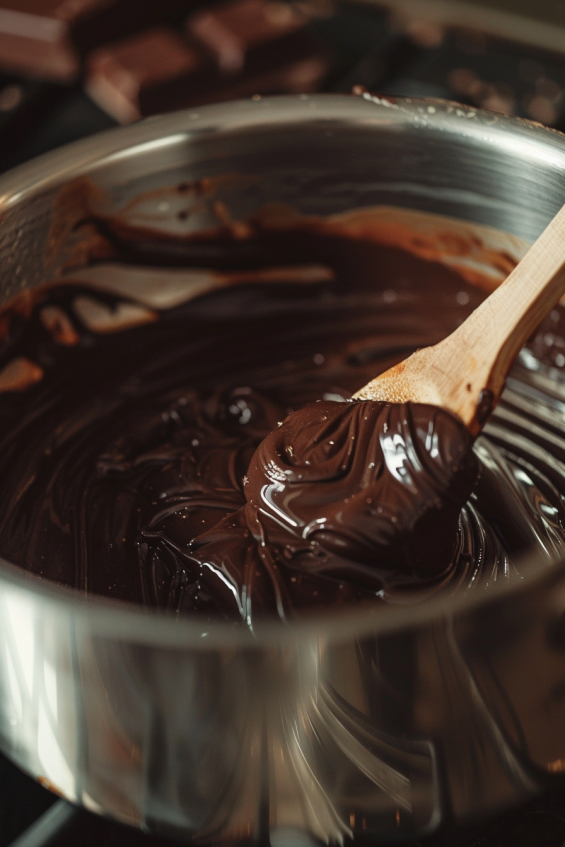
x: 263, y: 46
x: 48, y: 38
x: 234, y: 30
x: 144, y: 74
x: 162, y: 69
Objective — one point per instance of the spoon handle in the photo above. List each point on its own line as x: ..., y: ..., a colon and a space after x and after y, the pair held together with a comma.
x: 465, y: 373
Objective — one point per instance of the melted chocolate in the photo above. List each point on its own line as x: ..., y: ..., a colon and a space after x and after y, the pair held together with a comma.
x: 362, y: 485
x: 135, y: 465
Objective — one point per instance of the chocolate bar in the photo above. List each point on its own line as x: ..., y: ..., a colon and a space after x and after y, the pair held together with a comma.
x: 233, y: 51
x: 49, y: 38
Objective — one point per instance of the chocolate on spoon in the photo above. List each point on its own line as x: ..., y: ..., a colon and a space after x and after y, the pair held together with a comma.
x: 372, y: 491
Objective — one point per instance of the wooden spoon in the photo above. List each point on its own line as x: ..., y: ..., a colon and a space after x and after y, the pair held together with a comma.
x: 465, y: 373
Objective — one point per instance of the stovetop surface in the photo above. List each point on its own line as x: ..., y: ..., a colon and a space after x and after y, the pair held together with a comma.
x: 392, y: 56
x: 30, y: 816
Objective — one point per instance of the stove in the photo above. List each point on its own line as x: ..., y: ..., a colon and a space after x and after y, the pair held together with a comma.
x: 30, y: 816
x: 498, y: 55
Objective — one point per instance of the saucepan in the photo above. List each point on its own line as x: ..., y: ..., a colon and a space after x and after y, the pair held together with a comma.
x: 351, y: 725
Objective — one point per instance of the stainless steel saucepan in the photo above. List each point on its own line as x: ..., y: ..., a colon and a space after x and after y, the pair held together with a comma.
x: 359, y: 724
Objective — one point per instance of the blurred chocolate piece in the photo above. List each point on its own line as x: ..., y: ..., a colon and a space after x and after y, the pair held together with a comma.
x: 48, y: 38
x: 162, y: 69
x: 145, y: 74
x: 233, y: 31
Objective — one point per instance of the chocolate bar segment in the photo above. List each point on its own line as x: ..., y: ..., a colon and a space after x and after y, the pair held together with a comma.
x: 49, y: 38
x: 233, y: 30
x: 145, y: 74
x: 163, y: 69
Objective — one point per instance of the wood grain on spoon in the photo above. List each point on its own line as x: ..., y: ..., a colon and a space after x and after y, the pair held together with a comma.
x: 465, y: 373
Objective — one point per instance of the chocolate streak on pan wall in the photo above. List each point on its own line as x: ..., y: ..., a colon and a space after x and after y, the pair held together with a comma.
x: 197, y: 215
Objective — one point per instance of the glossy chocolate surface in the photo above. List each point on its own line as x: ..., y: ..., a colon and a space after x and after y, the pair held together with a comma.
x: 128, y: 458
x: 363, y: 484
